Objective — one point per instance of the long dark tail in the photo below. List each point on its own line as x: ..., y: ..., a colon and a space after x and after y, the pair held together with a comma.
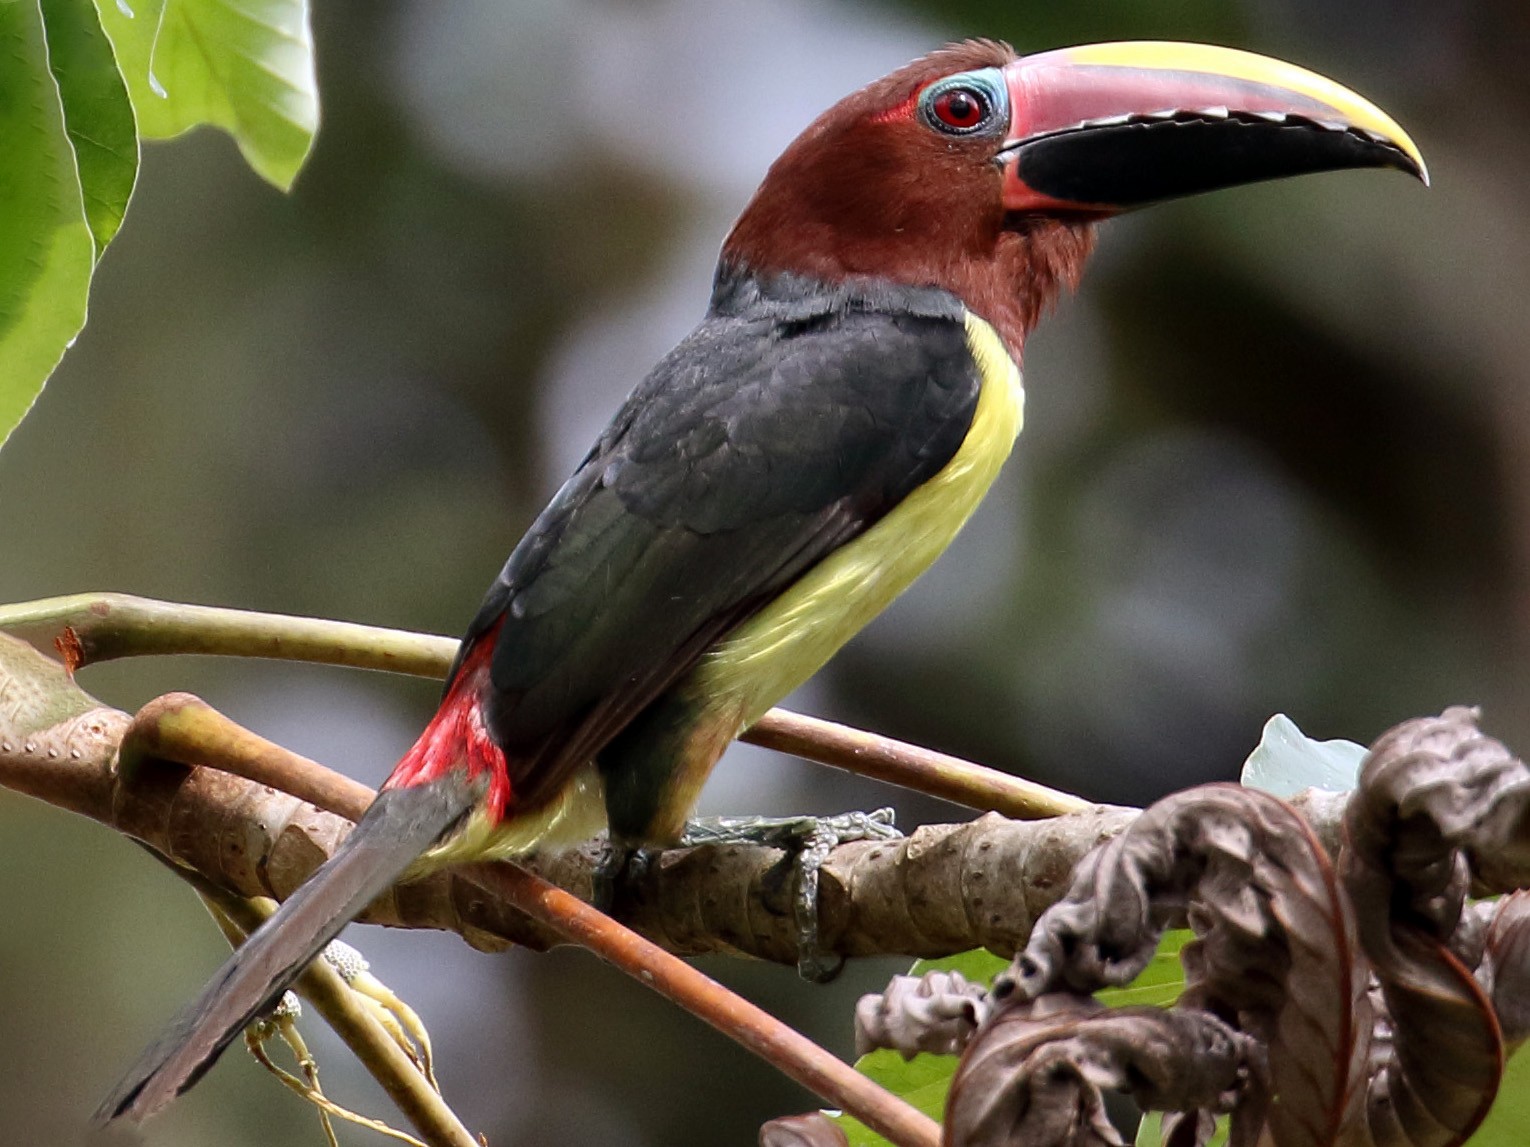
x: 400, y: 825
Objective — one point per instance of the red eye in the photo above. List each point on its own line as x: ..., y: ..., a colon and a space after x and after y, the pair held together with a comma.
x: 960, y: 108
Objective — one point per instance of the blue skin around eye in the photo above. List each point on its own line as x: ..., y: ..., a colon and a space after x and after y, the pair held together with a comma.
x: 989, y: 81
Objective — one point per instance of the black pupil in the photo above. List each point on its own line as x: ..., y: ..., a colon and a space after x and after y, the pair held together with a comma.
x: 962, y: 108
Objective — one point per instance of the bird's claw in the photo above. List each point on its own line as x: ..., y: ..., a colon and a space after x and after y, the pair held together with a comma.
x: 809, y: 839
x: 618, y: 862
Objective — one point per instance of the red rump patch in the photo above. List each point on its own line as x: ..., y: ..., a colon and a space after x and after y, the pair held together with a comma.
x: 458, y: 738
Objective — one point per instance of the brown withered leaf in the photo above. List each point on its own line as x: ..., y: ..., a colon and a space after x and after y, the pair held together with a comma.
x: 1365, y: 1008
x: 813, y: 1129
x: 936, y: 1012
x: 1275, y: 951
x: 1433, y: 792
x: 1034, y: 1075
x: 1504, y: 972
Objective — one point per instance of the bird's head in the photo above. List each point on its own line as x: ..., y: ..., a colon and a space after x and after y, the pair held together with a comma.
x: 983, y: 172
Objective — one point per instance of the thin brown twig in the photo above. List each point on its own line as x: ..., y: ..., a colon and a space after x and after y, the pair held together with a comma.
x: 182, y: 728
x: 779, y: 1045
x: 911, y: 766
x: 87, y: 628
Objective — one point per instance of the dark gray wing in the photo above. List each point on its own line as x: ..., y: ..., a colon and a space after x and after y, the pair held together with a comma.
x: 753, y: 450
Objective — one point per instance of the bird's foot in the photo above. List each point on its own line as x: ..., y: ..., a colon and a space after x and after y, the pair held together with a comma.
x: 809, y: 840
x: 619, y: 861
x: 609, y: 869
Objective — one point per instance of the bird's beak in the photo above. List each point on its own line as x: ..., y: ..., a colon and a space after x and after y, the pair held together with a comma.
x: 1106, y: 127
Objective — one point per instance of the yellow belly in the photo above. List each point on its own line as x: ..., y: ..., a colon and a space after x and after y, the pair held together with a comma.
x: 791, y: 638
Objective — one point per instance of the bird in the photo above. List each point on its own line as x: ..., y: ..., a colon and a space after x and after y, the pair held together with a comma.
x: 794, y: 463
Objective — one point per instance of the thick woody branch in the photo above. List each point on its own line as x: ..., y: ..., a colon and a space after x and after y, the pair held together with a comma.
x: 178, y: 725
x: 943, y: 890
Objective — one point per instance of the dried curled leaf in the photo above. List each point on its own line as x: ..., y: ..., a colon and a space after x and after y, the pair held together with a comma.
x: 1434, y: 791
x: 1275, y: 949
x: 1035, y: 1073
x: 813, y: 1129
x: 936, y: 1012
x: 1504, y: 972
x: 1360, y: 991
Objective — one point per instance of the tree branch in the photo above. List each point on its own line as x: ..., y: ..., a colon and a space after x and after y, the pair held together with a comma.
x: 182, y: 725
x: 756, y: 1029
x: 944, y: 889
x: 87, y: 628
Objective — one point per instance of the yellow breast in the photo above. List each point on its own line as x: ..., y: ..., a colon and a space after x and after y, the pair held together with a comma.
x: 791, y: 638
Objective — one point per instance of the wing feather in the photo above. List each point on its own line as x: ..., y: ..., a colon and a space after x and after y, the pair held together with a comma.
x: 751, y: 452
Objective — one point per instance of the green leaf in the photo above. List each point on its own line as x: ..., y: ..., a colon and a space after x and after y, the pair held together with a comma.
x: 244, y: 66
x: 925, y: 1080
x: 1150, y: 1131
x: 1287, y: 761
x: 979, y: 966
x: 1160, y: 983
x: 97, y: 112
x: 46, y: 248
x: 1508, y: 1124
x: 922, y: 1081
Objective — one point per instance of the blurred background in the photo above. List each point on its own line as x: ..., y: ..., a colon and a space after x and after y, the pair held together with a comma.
x: 1277, y: 458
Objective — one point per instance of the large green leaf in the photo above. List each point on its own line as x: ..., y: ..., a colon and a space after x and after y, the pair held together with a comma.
x: 97, y: 112
x: 245, y: 66
x: 46, y: 248
x: 1160, y: 983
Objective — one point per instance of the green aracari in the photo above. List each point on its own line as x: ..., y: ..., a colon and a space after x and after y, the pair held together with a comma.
x: 789, y: 468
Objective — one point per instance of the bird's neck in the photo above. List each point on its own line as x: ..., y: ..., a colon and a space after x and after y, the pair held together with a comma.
x: 790, y: 298
x: 1010, y: 277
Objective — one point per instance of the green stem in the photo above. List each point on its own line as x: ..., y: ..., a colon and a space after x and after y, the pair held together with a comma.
x: 90, y: 627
